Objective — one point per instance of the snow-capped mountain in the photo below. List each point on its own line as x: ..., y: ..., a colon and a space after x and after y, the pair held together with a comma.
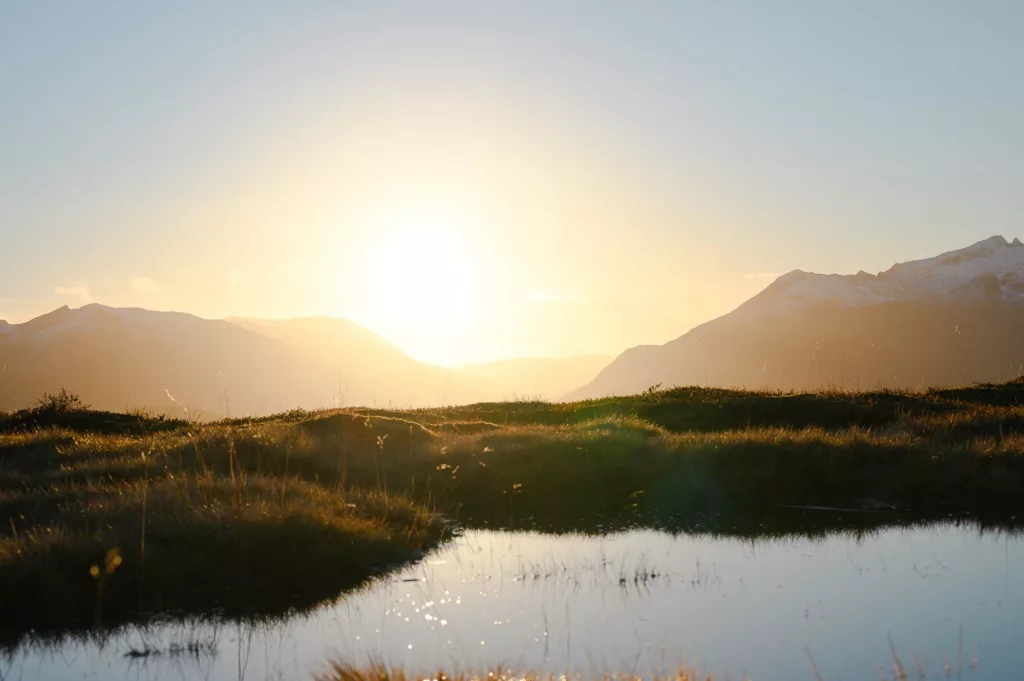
x: 993, y: 268
x: 955, y: 318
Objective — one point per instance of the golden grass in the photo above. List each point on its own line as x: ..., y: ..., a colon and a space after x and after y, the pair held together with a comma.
x: 174, y: 497
x: 195, y: 520
x: 344, y: 672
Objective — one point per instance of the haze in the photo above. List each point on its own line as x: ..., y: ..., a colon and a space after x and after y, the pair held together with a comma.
x: 475, y: 182
x: 401, y: 340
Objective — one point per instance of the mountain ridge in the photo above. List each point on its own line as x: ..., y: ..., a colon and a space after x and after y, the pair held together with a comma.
x: 176, y: 362
x: 179, y: 363
x: 914, y: 279
x: 916, y: 324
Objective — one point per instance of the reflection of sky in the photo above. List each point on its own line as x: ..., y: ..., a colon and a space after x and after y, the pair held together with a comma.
x: 727, y: 605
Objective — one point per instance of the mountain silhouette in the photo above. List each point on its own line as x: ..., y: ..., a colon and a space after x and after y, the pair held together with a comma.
x: 366, y: 369
x: 954, y: 319
x: 170, y: 362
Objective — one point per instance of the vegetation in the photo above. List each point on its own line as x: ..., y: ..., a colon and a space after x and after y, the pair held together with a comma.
x: 104, y: 527
x: 106, y: 517
x: 681, y: 452
x: 343, y: 672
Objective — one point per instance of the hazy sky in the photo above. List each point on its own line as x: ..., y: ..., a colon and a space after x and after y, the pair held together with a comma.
x: 477, y: 181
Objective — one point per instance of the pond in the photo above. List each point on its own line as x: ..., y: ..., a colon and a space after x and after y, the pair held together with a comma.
x: 636, y: 601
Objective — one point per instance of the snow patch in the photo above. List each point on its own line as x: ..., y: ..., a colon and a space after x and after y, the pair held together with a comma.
x: 993, y: 268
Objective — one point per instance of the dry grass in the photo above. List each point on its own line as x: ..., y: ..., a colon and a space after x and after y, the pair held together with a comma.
x: 99, y: 528
x: 266, y: 514
x: 343, y: 672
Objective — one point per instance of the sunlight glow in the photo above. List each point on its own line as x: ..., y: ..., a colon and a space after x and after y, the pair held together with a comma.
x: 421, y: 270
x: 419, y: 278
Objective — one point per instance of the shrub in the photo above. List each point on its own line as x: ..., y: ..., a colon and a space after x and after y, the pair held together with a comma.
x: 60, y: 403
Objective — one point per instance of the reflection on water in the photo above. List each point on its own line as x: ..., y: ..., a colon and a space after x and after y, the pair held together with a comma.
x: 642, y: 601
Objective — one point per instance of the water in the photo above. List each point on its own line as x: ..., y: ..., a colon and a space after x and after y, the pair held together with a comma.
x: 637, y: 601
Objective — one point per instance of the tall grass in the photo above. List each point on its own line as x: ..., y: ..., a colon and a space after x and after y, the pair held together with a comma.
x: 270, y: 514
x: 102, y: 527
x: 344, y: 672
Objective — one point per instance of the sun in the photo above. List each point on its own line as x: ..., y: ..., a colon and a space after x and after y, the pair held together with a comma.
x: 418, y: 265
x: 419, y: 282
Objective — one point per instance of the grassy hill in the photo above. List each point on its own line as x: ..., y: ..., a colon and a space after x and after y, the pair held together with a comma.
x: 106, y: 517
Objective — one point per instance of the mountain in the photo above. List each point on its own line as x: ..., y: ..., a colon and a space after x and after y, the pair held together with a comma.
x: 549, y: 378
x: 990, y: 269
x: 952, y: 319
x: 365, y: 369
x: 167, y: 361
x: 118, y: 358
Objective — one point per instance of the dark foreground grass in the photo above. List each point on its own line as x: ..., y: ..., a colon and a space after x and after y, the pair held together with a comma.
x: 102, y: 529
x: 680, y: 452
x: 112, y: 517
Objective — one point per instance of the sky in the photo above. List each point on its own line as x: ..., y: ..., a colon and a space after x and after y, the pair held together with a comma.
x: 477, y: 181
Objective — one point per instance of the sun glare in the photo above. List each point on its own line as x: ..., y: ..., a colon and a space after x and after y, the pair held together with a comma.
x: 420, y: 280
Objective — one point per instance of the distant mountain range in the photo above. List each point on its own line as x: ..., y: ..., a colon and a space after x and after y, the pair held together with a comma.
x: 548, y: 378
x: 175, y: 363
x: 952, y: 319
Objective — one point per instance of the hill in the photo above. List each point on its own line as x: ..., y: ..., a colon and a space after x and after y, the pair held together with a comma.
x: 180, y: 364
x: 182, y: 511
x: 363, y: 368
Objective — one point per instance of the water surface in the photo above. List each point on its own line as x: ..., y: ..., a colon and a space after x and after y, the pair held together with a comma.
x: 639, y: 601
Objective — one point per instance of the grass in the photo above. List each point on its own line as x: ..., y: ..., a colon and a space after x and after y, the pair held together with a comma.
x: 111, y: 517
x: 339, y: 671
x: 344, y: 672
x: 685, y: 451
x: 103, y: 528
